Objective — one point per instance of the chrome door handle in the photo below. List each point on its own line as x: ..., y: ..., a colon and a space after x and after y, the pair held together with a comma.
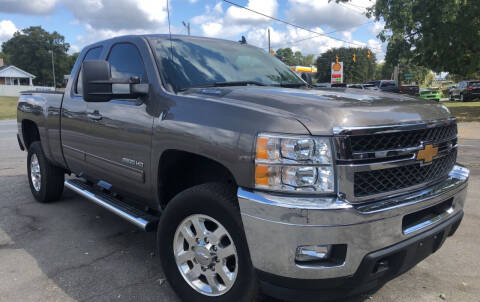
x: 94, y: 116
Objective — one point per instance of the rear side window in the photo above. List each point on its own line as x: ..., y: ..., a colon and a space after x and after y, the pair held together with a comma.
x: 475, y: 84
x: 92, y: 54
x: 126, y: 62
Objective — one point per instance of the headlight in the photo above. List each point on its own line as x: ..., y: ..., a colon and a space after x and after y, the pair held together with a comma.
x: 294, y: 163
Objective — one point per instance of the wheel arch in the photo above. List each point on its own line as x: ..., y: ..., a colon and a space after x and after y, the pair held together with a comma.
x: 179, y: 170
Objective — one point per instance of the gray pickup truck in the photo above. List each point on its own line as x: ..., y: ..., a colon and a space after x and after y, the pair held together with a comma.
x: 254, y: 181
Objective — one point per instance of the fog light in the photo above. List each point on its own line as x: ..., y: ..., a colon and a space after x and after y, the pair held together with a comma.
x: 313, y: 253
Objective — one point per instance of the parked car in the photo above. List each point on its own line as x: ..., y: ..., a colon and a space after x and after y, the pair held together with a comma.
x: 466, y: 91
x: 356, y: 86
x: 384, y: 85
x: 409, y: 89
x: 251, y: 179
x: 447, y: 91
x: 431, y: 94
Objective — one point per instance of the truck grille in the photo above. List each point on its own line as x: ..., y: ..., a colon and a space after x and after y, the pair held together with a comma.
x: 406, y: 139
x: 391, y: 179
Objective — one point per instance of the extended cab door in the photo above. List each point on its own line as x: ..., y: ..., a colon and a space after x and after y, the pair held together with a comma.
x: 119, y: 146
x: 74, y: 122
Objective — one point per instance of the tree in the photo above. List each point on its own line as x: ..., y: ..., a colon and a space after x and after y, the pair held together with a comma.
x: 353, y: 72
x: 30, y: 50
x: 287, y: 56
x: 405, y: 67
x: 442, y: 35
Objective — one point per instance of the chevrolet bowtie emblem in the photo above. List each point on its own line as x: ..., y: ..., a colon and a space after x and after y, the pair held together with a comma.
x: 427, y: 154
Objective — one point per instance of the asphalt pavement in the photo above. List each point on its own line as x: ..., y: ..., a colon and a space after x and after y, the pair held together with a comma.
x: 73, y: 250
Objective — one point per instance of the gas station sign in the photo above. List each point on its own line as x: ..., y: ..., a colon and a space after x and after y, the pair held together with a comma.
x: 337, y: 72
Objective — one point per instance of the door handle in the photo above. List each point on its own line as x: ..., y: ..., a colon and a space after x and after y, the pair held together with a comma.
x: 94, y: 116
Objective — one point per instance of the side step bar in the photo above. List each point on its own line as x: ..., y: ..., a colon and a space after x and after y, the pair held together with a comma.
x: 139, y: 218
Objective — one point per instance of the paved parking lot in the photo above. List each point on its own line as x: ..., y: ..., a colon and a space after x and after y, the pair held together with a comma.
x: 73, y: 250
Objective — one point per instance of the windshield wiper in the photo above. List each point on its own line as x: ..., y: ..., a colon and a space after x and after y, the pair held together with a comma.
x: 225, y: 84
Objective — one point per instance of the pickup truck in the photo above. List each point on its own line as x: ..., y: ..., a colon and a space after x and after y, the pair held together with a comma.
x: 255, y: 182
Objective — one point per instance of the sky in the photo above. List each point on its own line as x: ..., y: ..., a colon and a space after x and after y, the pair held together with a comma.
x: 86, y: 21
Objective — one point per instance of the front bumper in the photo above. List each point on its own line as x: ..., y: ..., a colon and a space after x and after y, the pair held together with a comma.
x: 276, y: 225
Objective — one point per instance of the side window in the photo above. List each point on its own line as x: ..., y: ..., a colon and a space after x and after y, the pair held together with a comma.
x: 126, y: 62
x: 92, y: 54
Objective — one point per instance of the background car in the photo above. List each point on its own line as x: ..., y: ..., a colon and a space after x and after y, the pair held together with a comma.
x: 431, y: 94
x: 466, y: 91
x: 409, y: 89
x: 384, y: 85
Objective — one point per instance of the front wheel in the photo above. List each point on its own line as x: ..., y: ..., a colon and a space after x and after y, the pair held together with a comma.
x: 45, y: 179
x: 202, y: 246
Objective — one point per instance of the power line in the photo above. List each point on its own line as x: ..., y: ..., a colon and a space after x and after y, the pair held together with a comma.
x: 291, y: 24
x: 327, y: 33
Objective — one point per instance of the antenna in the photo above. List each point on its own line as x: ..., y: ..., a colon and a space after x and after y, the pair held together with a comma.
x: 169, y: 31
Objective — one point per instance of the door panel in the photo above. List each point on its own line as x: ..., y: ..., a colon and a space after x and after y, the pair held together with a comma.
x: 74, y: 123
x: 120, y: 134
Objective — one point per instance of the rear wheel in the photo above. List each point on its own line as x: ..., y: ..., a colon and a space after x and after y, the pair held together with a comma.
x: 45, y: 179
x: 202, y: 246
x: 462, y: 98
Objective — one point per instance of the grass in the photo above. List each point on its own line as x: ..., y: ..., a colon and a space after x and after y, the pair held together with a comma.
x: 465, y: 111
x: 8, y: 107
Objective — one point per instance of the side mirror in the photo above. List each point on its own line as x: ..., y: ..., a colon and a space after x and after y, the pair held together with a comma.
x: 98, y: 85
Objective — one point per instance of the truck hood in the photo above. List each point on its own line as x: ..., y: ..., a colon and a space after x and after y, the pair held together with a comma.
x: 322, y: 110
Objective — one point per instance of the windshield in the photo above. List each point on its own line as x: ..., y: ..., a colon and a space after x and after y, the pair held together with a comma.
x: 203, y: 62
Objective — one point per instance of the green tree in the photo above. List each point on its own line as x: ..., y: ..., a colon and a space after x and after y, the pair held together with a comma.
x: 442, y: 35
x: 30, y: 49
x: 353, y: 72
x: 287, y: 56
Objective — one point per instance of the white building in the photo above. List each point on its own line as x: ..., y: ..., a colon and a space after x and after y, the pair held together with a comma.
x: 12, y: 75
x: 14, y: 80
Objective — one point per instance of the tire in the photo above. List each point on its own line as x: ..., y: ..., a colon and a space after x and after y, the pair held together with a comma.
x: 51, y: 178
x: 451, y: 98
x: 212, y: 200
x: 462, y: 99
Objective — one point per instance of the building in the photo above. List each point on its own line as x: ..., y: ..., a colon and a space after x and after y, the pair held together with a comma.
x: 12, y: 75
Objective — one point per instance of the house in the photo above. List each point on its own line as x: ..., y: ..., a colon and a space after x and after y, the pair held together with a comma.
x: 12, y: 75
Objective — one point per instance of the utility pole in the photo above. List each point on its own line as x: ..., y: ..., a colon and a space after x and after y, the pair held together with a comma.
x: 269, y: 48
x: 187, y: 27
x: 53, y: 70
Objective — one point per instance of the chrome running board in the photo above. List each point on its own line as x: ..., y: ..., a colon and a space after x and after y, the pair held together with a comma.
x: 143, y: 220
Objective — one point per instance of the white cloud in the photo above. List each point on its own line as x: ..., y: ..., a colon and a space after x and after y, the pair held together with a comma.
x: 7, y: 29
x: 378, y: 48
x: 34, y: 7
x: 239, y: 16
x: 340, y: 16
x: 235, y: 21
x: 119, y: 14
x: 377, y: 27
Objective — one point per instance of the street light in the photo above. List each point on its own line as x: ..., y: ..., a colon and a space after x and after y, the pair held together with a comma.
x: 53, y: 69
x: 187, y: 27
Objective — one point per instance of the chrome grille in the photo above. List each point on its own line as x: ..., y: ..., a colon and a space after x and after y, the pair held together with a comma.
x: 406, y: 139
x: 376, y: 162
x: 386, y: 180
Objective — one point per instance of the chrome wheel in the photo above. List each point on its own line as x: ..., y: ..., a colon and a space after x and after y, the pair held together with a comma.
x: 35, y: 174
x: 206, y: 255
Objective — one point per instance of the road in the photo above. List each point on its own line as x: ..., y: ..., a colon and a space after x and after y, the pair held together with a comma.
x: 73, y: 250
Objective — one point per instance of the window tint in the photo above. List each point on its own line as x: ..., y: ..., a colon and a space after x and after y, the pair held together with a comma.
x: 92, y: 54
x: 126, y: 62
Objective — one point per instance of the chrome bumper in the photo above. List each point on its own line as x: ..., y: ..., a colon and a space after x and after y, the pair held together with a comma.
x: 276, y: 225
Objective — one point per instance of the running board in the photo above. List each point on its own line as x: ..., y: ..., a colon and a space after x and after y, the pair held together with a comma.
x: 139, y: 218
